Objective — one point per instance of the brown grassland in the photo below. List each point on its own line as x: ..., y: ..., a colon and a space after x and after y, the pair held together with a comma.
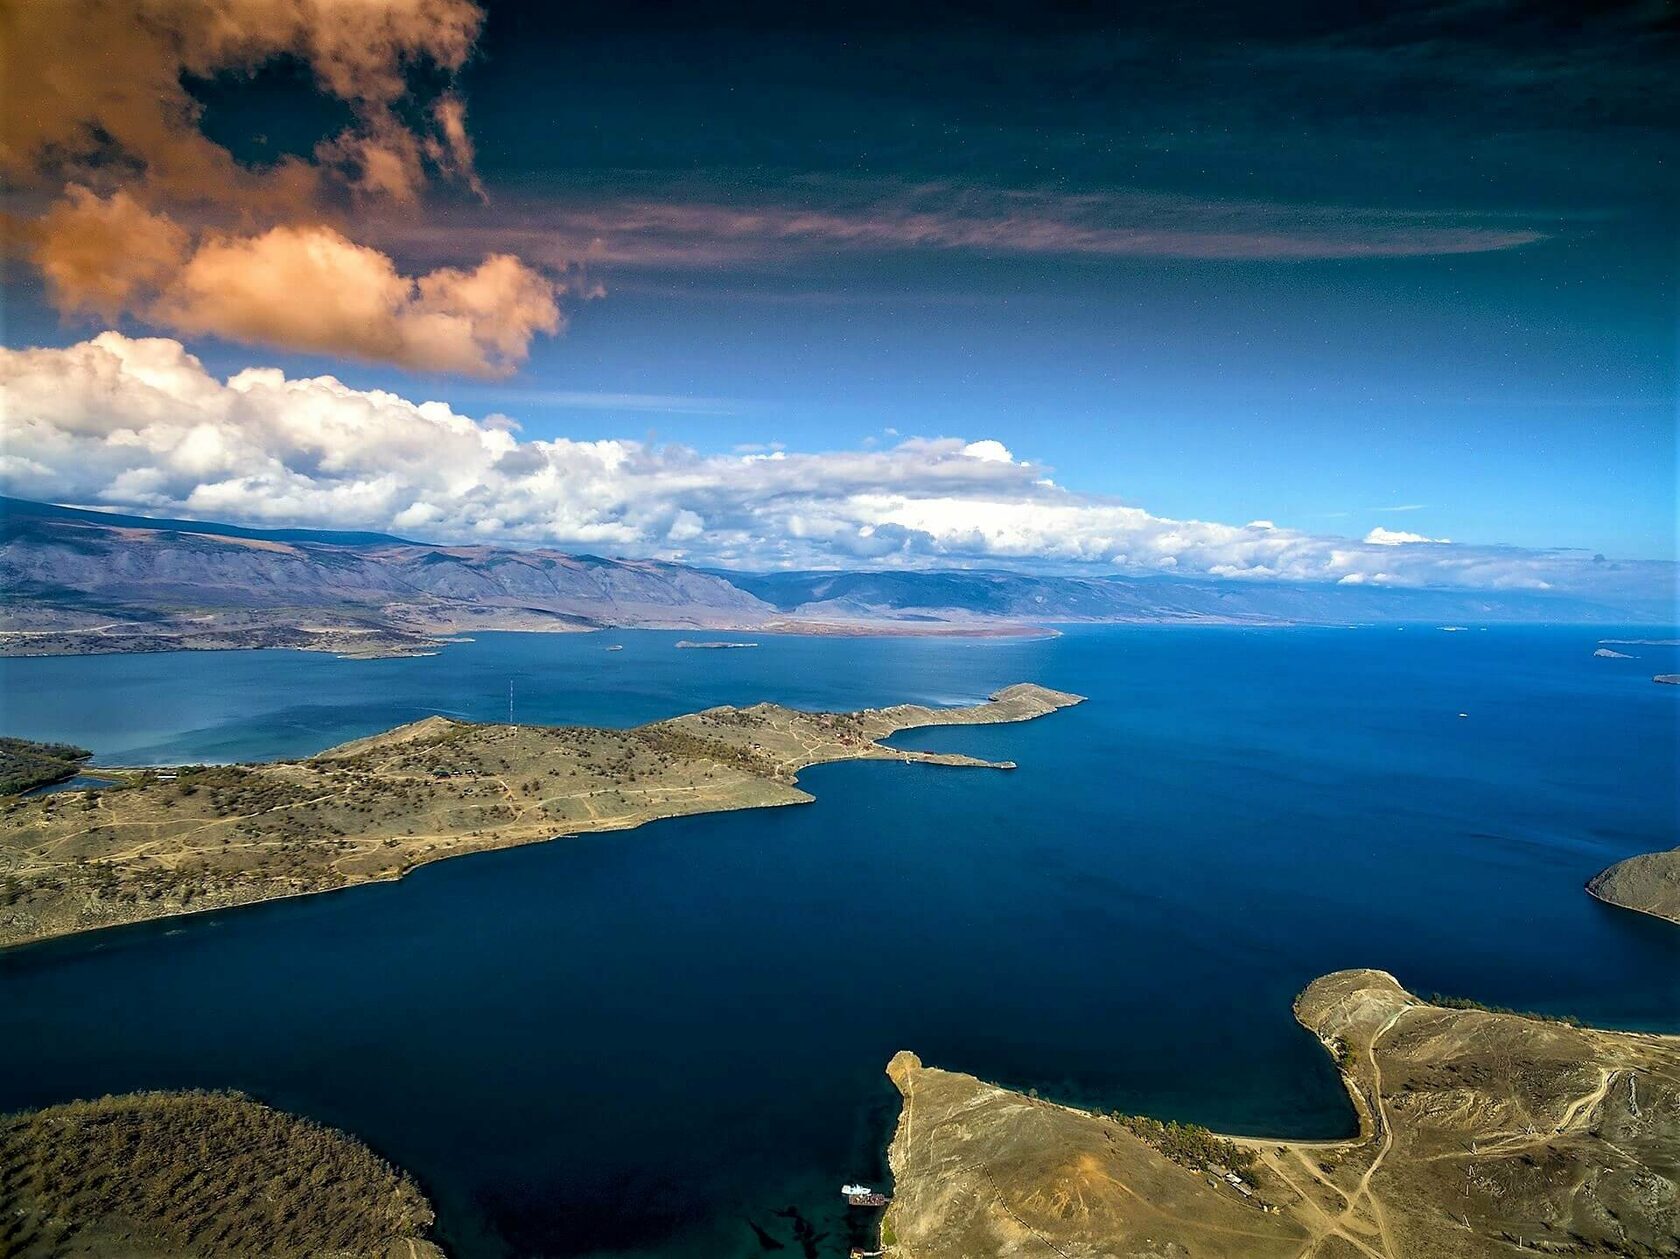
x: 214, y: 836
x: 1481, y: 1134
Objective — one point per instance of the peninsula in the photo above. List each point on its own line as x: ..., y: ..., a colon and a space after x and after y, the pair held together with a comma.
x: 1648, y: 884
x: 1481, y: 1134
x: 195, y: 1175
x: 197, y: 837
x: 25, y: 765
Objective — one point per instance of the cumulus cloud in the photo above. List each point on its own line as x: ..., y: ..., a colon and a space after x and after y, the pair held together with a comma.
x: 103, y: 84
x: 140, y: 422
x: 101, y: 255
x: 312, y: 289
x: 1397, y: 537
x: 154, y: 219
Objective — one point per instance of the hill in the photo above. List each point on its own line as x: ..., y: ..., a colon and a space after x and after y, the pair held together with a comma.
x: 196, y: 1176
x: 1482, y: 1134
x: 1648, y: 883
x: 198, y: 837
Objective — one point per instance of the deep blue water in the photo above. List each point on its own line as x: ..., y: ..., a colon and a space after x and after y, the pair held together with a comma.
x: 640, y: 1044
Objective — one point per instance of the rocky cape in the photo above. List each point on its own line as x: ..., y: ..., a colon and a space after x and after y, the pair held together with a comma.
x: 1481, y: 1134
x: 1648, y: 883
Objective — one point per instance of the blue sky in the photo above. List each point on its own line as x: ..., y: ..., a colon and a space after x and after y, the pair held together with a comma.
x: 1227, y: 265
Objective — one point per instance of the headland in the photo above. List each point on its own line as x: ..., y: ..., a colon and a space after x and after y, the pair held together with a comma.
x: 1481, y: 1134
x: 198, y: 837
x: 1648, y: 884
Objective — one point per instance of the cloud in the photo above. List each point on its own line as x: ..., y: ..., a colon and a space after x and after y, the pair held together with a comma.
x: 988, y: 450
x: 153, y: 219
x: 678, y: 227
x: 311, y: 289
x: 641, y: 403
x: 103, y: 82
x: 303, y: 287
x: 139, y: 422
x: 1397, y: 537
x: 101, y: 255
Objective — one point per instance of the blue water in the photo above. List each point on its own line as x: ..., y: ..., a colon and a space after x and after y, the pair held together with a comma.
x: 80, y: 782
x: 645, y: 1043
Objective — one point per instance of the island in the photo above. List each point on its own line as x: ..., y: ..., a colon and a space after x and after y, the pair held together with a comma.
x: 1610, y: 653
x: 1667, y: 679
x: 1481, y: 1133
x: 183, y: 1175
x: 1648, y: 884
x: 197, y: 837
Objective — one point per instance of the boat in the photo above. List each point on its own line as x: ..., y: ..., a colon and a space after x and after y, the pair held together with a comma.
x: 863, y: 1196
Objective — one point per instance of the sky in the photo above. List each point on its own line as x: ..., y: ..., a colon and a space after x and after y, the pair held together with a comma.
x: 1210, y: 289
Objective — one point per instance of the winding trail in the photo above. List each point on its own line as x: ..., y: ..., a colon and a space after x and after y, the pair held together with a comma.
x: 1385, y: 1142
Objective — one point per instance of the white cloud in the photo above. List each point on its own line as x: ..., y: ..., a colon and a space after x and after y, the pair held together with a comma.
x: 1397, y: 537
x: 141, y: 423
x: 989, y: 450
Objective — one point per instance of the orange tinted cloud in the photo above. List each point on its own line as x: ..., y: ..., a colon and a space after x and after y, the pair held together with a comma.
x: 154, y: 219
x: 310, y: 288
x: 101, y: 255
x: 96, y: 85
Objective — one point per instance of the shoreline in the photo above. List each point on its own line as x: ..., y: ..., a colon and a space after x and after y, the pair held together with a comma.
x: 14, y: 644
x: 1436, y: 1088
x: 22, y: 947
x: 373, y: 810
x: 1643, y: 882
x: 1631, y: 909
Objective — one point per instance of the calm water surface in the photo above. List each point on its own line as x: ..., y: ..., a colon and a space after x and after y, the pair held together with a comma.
x: 647, y: 1043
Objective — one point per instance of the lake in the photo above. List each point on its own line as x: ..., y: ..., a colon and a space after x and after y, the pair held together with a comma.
x: 651, y: 1043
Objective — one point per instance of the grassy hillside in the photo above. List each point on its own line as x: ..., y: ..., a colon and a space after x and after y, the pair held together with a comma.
x: 197, y: 837
x: 1482, y: 1134
x: 25, y: 765
x: 198, y: 1176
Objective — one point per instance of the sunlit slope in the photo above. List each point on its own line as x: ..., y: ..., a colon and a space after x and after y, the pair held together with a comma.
x: 1480, y: 1133
x: 200, y: 837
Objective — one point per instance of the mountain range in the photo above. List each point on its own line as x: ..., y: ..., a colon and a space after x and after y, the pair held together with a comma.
x: 80, y: 581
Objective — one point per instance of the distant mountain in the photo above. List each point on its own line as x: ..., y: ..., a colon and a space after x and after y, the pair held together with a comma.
x: 21, y: 509
x: 956, y: 596
x: 83, y: 581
